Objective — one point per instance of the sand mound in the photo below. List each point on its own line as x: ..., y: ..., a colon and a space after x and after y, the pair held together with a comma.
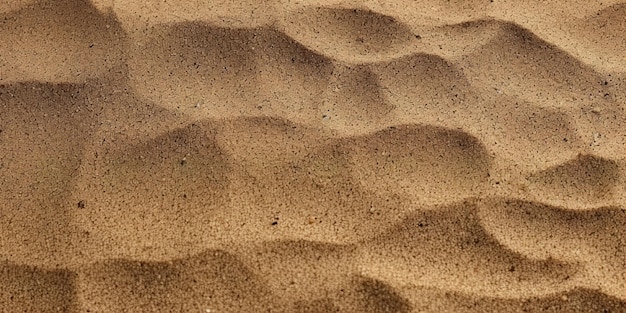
x: 468, y: 259
x: 213, y: 280
x: 349, y: 34
x: 424, y: 162
x: 579, y: 182
x: 31, y: 289
x: 327, y: 156
x: 59, y: 41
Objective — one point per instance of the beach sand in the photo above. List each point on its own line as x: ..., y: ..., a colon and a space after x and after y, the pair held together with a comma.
x: 312, y: 156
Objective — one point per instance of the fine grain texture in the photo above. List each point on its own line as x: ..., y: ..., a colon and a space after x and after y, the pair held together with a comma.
x: 312, y: 156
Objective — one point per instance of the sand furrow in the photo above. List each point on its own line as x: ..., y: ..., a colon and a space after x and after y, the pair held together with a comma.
x: 211, y: 281
x: 593, y: 238
x: 576, y: 300
x: 448, y: 248
x: 37, y: 174
x: 31, y: 289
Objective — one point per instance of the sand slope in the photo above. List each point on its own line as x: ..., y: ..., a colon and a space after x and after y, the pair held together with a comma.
x: 327, y: 156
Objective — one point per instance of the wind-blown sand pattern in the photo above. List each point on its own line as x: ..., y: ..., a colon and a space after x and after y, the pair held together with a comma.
x: 318, y: 156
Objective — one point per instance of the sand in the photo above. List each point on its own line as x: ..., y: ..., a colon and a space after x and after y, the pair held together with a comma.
x: 312, y: 156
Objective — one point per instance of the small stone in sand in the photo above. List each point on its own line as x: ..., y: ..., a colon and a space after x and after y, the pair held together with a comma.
x: 596, y: 139
x: 81, y: 204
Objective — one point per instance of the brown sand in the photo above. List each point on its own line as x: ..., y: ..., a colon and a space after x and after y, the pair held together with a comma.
x: 327, y: 156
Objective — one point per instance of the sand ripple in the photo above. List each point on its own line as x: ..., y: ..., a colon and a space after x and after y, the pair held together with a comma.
x: 334, y: 156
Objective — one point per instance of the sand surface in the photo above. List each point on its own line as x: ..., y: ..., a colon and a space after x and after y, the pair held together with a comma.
x: 312, y: 156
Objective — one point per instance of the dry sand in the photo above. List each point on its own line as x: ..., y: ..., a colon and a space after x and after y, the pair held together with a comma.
x: 312, y: 156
